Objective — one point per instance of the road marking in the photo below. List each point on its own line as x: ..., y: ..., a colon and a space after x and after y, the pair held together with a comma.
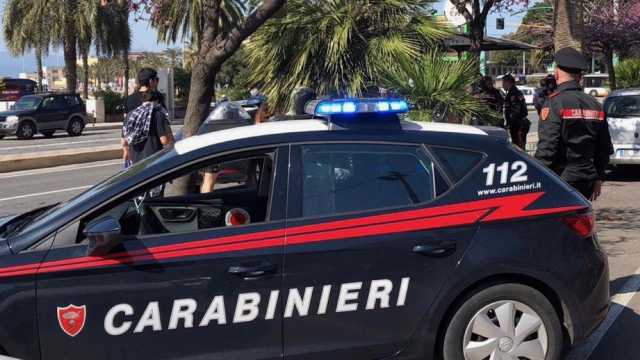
x: 618, y: 303
x: 59, y: 144
x: 46, y: 193
x: 58, y: 169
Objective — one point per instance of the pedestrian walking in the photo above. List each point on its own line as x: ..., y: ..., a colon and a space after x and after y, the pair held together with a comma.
x: 574, y: 139
x: 493, y: 97
x: 146, y: 129
x: 547, y: 87
x: 515, y: 112
x: 147, y: 82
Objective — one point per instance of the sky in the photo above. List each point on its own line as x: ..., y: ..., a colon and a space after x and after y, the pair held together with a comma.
x: 144, y: 39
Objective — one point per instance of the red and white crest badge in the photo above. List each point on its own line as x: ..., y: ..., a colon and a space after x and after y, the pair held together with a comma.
x: 71, y: 319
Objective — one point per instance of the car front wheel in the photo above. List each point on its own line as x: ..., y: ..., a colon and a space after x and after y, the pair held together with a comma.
x: 26, y: 130
x: 506, y: 322
x: 593, y: 93
x: 75, y: 127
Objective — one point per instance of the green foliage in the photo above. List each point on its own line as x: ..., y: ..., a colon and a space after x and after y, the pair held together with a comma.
x: 337, y: 46
x: 182, y: 82
x: 438, y: 88
x: 112, y: 101
x: 628, y: 73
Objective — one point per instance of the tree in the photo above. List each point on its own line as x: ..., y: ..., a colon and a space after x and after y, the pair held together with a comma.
x: 188, y: 19
x: 611, y: 27
x: 437, y: 86
x: 25, y: 27
x: 216, y: 44
x: 338, y: 46
x: 629, y: 73
x: 174, y: 56
x: 568, y: 24
x: 113, y: 34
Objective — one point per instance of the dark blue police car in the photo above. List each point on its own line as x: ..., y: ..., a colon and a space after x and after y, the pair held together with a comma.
x: 353, y: 235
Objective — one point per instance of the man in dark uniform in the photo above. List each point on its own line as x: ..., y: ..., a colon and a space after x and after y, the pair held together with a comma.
x: 493, y: 98
x: 574, y: 138
x: 515, y: 112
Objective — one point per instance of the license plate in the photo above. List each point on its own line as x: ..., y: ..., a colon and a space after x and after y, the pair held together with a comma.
x: 629, y: 152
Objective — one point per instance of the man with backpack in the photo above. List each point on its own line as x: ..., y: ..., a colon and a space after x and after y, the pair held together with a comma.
x: 146, y: 129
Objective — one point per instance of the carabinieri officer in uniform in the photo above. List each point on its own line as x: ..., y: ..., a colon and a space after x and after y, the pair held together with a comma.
x: 574, y: 139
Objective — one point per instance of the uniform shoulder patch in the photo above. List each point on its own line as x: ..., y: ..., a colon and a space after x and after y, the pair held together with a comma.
x: 544, y: 113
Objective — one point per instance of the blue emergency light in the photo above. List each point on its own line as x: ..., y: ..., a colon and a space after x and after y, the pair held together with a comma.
x: 356, y: 106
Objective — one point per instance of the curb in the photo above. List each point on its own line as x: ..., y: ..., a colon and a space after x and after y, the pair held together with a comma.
x: 37, y: 160
x: 91, y: 127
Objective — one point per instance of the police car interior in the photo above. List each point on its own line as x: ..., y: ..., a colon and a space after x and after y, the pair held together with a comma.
x: 356, y: 234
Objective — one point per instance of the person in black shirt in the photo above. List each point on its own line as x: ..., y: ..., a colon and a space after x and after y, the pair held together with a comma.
x: 493, y: 98
x: 147, y: 83
x: 515, y: 112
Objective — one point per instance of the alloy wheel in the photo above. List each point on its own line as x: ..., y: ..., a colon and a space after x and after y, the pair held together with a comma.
x: 505, y: 330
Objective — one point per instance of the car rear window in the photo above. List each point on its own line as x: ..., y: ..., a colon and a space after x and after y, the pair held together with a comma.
x: 623, y: 106
x: 456, y: 162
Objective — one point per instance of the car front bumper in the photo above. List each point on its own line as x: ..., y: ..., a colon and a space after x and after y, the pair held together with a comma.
x: 7, y: 129
x: 625, y: 154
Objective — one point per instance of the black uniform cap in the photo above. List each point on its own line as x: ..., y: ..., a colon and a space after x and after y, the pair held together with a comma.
x: 571, y: 60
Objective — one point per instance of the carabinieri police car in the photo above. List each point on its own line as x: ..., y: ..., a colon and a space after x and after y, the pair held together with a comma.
x: 351, y: 235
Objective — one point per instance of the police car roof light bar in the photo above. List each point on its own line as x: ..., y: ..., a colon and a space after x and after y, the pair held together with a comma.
x: 356, y: 106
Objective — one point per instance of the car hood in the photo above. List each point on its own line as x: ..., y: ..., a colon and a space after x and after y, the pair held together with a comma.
x: 4, y: 114
x: 5, y: 219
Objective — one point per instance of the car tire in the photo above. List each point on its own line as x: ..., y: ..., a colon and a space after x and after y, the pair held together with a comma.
x: 48, y: 133
x: 496, y: 313
x: 593, y: 93
x: 25, y: 130
x: 75, y: 127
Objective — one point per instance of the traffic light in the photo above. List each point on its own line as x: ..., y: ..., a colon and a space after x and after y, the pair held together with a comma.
x: 500, y: 23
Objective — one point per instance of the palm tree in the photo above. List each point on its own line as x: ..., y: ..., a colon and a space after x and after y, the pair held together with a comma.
x: 188, y: 19
x: 337, y: 46
x: 113, y: 34
x: 568, y: 24
x: 25, y: 27
x: 437, y: 87
x: 85, y: 26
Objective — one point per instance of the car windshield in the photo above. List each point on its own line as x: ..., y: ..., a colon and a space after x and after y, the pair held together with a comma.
x: 50, y: 213
x: 27, y: 103
x: 623, y: 106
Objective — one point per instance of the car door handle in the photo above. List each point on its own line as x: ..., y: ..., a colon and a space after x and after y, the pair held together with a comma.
x: 441, y: 249
x: 253, y: 271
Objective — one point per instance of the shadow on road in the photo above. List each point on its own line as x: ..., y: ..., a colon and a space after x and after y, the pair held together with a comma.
x: 624, y: 173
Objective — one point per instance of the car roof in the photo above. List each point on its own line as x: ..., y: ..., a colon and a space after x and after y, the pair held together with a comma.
x: 625, y: 92
x: 301, y: 126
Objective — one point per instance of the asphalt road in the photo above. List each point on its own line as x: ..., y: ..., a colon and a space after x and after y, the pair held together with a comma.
x: 61, y: 140
x: 617, y: 213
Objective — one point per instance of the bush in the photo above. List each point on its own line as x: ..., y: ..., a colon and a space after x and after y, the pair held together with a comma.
x: 113, y: 102
x: 628, y: 73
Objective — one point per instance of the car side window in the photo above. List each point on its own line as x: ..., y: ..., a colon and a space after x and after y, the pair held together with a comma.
x: 48, y: 103
x: 342, y: 178
x: 456, y: 162
x: 225, y: 192
x: 71, y: 100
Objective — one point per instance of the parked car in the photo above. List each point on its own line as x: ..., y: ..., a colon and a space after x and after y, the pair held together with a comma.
x: 622, y: 109
x: 528, y: 92
x: 45, y: 114
x: 356, y: 235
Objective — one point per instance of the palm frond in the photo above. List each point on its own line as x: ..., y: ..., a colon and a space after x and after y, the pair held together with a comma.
x: 337, y: 46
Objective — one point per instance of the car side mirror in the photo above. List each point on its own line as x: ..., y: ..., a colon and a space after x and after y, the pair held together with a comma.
x: 104, y: 234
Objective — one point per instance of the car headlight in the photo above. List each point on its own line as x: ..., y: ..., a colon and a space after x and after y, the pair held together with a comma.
x: 12, y: 120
